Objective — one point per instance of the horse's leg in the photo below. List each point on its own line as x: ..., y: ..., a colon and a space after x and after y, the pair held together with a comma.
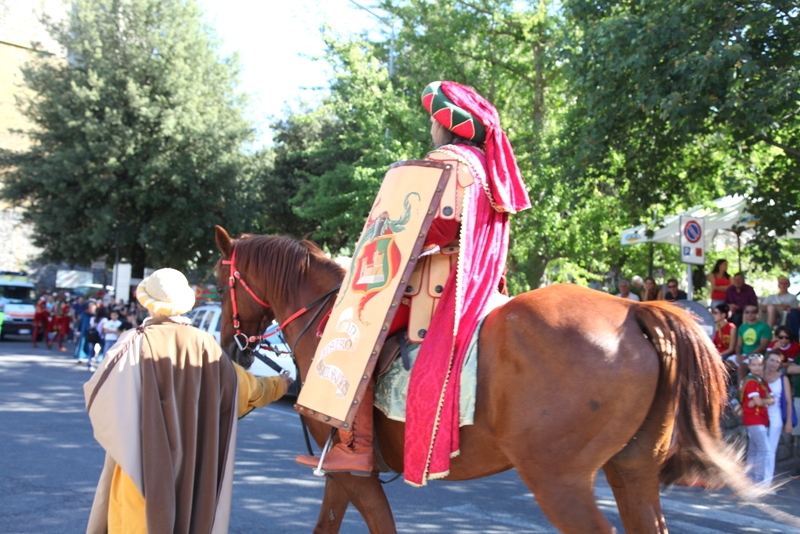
x: 633, y: 473
x: 367, y: 495
x: 568, y: 501
x: 633, y: 476
x: 333, y: 508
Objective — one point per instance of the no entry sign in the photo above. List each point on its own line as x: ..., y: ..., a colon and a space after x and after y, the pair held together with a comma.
x: 692, y: 240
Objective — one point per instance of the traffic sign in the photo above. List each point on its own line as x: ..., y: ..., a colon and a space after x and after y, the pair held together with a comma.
x: 692, y: 240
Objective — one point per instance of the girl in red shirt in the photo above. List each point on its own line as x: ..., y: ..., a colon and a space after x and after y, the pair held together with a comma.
x: 724, y: 331
x: 755, y: 397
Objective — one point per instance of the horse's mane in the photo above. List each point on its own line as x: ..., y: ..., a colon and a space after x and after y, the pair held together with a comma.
x: 284, y: 263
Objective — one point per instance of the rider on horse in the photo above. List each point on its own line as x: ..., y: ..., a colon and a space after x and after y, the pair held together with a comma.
x: 463, y: 262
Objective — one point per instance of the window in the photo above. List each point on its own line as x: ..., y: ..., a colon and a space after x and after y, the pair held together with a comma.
x: 197, y: 320
x: 17, y: 294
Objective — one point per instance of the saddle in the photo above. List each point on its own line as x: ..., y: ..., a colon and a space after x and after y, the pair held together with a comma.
x: 393, y: 348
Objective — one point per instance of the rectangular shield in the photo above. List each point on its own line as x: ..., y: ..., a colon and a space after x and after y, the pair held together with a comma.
x: 385, y: 255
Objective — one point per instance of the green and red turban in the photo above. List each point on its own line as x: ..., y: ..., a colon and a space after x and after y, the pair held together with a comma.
x: 464, y: 112
x: 458, y: 120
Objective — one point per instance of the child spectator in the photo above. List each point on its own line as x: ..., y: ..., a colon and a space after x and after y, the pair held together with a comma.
x: 724, y: 331
x: 111, y: 330
x: 94, y: 337
x: 755, y: 399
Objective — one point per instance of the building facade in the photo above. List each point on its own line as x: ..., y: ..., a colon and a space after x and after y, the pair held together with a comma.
x: 23, y: 38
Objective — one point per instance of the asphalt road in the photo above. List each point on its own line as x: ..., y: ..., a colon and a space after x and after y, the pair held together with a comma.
x: 49, y: 465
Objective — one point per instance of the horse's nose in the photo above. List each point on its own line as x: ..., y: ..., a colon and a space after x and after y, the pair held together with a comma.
x: 242, y: 357
x: 232, y: 350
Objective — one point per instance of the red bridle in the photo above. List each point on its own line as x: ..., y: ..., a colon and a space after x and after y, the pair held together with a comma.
x: 243, y: 340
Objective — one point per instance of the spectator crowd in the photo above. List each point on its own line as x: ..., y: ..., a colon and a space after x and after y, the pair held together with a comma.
x: 90, y: 325
x: 758, y: 341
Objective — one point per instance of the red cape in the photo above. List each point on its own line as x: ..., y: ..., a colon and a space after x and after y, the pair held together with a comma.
x: 432, y: 436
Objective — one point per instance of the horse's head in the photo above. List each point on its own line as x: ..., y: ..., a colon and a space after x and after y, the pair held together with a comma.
x: 277, y: 277
x: 253, y: 315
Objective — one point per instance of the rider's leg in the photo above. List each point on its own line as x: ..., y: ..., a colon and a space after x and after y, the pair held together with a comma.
x: 353, y: 453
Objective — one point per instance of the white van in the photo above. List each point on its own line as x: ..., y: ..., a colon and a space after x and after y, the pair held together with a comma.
x: 208, y: 318
x: 17, y: 302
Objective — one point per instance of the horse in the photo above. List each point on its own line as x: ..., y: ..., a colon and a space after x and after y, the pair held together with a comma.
x: 570, y: 380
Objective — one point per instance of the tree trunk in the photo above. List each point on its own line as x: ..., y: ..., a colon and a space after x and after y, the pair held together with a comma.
x: 138, y: 260
x: 538, y: 90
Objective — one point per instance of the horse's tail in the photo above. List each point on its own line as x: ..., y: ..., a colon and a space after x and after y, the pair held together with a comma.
x: 693, y: 370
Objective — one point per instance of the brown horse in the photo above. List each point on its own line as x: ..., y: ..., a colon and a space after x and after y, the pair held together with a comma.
x: 570, y: 380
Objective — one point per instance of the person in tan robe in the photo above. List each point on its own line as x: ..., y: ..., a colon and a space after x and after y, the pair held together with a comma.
x: 164, y: 405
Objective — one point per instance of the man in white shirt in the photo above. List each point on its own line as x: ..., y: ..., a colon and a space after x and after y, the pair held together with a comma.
x: 625, y: 291
x: 779, y: 305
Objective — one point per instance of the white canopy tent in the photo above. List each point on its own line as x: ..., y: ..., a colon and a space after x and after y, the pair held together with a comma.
x: 723, y: 223
x: 728, y: 224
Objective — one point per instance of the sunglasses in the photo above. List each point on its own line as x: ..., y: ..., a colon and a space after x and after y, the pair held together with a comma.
x: 672, y: 287
x: 783, y: 337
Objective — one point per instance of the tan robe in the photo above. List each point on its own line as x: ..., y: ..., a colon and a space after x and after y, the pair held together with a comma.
x: 177, y: 444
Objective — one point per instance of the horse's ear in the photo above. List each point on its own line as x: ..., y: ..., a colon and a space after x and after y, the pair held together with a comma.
x: 223, y: 240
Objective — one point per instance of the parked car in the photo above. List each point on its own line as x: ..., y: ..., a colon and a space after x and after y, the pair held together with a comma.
x: 208, y: 318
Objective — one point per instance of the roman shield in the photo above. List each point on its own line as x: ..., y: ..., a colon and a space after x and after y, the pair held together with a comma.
x: 385, y: 255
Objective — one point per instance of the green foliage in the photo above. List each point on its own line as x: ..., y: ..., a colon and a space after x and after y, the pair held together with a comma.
x: 618, y: 112
x: 333, y: 158
x: 678, y: 103
x: 514, y: 55
x: 137, y: 138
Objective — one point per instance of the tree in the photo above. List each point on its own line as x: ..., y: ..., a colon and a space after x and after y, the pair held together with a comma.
x: 283, y: 170
x: 508, y: 52
x: 511, y: 53
x: 515, y: 55
x: 360, y: 130
x: 677, y: 103
x: 137, y: 138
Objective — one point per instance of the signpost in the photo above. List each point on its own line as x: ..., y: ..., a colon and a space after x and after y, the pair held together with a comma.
x: 122, y: 281
x: 692, y: 247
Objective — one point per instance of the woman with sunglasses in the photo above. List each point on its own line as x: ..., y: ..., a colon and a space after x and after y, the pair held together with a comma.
x: 783, y: 342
